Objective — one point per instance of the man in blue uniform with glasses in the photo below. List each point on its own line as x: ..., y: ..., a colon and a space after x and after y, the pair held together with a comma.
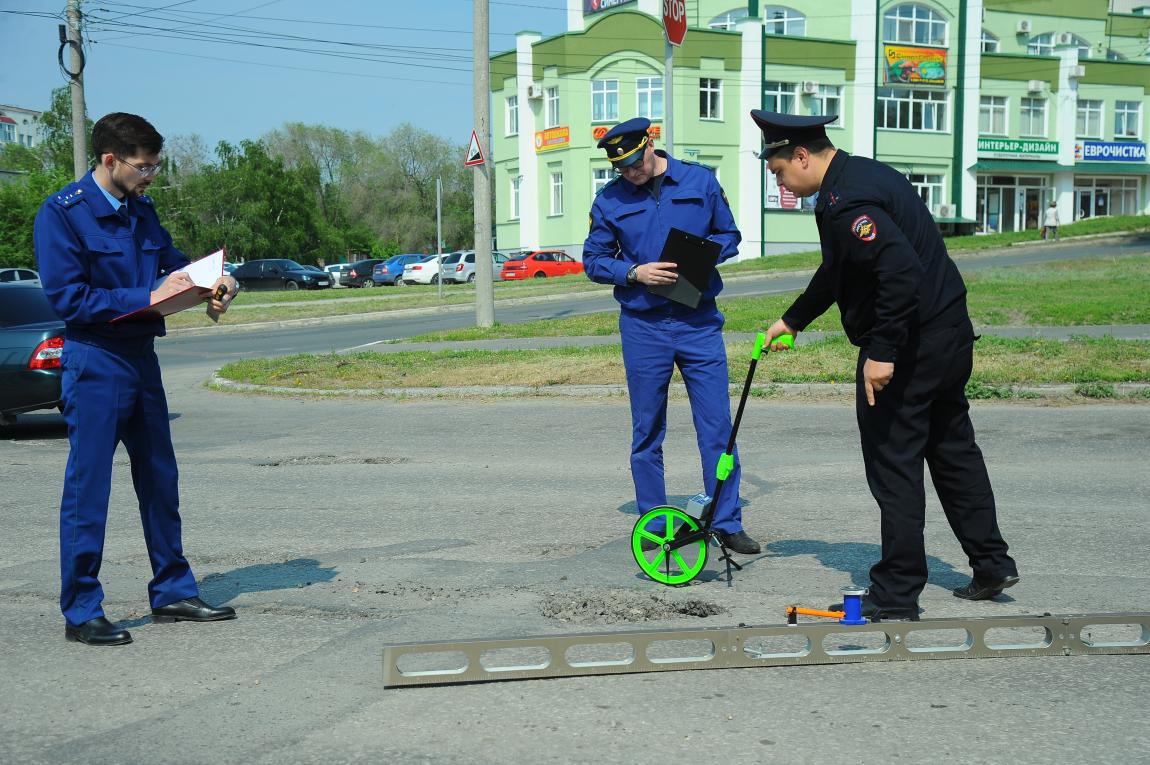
x: 630, y: 219
x: 100, y: 249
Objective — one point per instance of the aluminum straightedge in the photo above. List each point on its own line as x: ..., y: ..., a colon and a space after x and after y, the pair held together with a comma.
x: 614, y: 653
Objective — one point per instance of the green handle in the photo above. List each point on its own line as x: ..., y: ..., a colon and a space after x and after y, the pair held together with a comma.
x: 761, y: 341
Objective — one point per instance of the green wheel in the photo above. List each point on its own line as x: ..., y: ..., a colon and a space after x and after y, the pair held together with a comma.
x: 656, y: 527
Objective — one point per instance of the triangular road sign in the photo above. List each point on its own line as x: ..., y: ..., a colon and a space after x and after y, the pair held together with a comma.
x: 474, y: 153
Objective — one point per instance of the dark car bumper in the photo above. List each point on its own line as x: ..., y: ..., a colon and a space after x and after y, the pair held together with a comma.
x: 28, y: 390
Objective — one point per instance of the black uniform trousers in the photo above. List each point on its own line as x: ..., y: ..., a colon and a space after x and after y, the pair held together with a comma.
x: 923, y: 415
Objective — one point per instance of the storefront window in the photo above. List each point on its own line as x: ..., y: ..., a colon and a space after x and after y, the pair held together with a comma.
x: 1094, y: 196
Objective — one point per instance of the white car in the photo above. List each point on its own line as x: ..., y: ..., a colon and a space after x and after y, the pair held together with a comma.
x: 423, y: 271
x: 336, y: 270
x: 24, y: 275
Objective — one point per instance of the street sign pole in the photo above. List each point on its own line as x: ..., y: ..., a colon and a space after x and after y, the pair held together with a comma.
x: 675, y: 29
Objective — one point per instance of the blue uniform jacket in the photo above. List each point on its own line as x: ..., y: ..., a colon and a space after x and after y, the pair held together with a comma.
x: 96, y: 263
x: 628, y: 227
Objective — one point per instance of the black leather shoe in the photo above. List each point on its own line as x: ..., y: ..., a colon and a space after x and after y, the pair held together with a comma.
x: 192, y: 610
x: 98, y: 631
x: 877, y: 613
x: 977, y: 590
x: 740, y: 542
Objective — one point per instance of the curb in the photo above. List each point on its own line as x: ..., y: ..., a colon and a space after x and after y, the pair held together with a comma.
x: 817, y: 390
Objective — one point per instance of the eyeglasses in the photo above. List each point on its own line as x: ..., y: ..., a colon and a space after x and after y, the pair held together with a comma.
x: 628, y: 168
x: 143, y: 170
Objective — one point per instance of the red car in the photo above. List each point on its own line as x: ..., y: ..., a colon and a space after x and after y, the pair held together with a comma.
x: 540, y: 264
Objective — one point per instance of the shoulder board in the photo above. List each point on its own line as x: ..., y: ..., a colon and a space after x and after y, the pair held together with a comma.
x: 71, y: 198
x: 697, y: 164
x: 146, y: 200
x: 605, y: 185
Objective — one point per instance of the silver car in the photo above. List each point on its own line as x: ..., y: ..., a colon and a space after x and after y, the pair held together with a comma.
x: 459, y: 267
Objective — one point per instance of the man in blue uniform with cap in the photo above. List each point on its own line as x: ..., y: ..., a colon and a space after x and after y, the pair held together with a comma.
x: 903, y: 303
x: 630, y: 219
x: 100, y: 249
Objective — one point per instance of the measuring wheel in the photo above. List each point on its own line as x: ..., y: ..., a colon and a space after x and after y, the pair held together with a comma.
x: 656, y: 528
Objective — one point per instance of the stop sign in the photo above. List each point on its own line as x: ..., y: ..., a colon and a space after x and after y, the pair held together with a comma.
x: 675, y: 20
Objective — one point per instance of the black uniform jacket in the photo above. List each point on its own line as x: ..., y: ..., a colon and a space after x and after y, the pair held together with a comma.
x: 884, y: 262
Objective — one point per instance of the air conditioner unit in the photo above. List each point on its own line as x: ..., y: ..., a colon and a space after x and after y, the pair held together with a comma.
x: 1036, y: 86
x: 810, y: 86
x: 1078, y: 71
x: 947, y: 211
x: 1023, y: 27
x: 534, y: 91
x: 1066, y: 38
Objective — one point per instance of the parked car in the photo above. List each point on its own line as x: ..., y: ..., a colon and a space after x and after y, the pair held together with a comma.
x: 459, y: 267
x: 390, y: 271
x: 230, y: 267
x: 540, y: 264
x: 335, y: 271
x: 19, y: 275
x: 279, y: 274
x: 423, y: 271
x: 31, y: 341
x: 359, y: 275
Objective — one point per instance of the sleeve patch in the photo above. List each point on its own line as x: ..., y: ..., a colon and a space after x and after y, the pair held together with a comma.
x: 864, y: 228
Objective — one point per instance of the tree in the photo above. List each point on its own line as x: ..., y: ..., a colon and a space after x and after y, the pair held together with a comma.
x: 55, y: 147
x: 19, y: 202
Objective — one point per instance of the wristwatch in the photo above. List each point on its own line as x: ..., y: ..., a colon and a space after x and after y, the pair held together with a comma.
x: 632, y: 277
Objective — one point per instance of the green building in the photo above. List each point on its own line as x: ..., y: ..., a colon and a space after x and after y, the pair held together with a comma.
x: 992, y: 108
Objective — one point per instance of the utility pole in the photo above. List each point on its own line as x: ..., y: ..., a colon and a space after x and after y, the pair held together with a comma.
x: 75, y: 43
x: 484, y: 289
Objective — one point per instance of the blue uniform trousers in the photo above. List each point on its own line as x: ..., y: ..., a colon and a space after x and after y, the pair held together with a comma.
x: 112, y: 392
x: 654, y: 342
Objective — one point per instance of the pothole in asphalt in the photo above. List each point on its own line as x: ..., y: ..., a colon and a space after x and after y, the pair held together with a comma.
x: 331, y: 459
x: 615, y: 606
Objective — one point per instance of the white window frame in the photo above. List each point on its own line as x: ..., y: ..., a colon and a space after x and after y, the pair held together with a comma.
x: 1088, y: 119
x: 1031, y: 110
x: 552, y: 96
x: 915, y: 24
x: 711, y: 99
x: 827, y: 101
x: 7, y: 132
x: 648, y: 97
x: 779, y: 97
x: 604, y: 100
x: 930, y: 187
x: 728, y: 20
x: 918, y: 107
x: 516, y: 183
x: 992, y: 115
x: 557, y: 193
x: 781, y: 20
x: 1041, y: 45
x: 600, y: 177
x: 1127, y: 119
x: 989, y: 43
x: 511, y: 116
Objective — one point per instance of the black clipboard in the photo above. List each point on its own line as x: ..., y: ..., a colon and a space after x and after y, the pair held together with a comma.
x: 695, y: 259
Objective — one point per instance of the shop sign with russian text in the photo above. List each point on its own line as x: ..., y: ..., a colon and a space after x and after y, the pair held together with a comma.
x: 597, y: 6
x: 1110, y: 151
x: 1014, y: 148
x: 552, y: 138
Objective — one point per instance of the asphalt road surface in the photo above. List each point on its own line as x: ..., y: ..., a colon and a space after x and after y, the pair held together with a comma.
x: 336, y: 527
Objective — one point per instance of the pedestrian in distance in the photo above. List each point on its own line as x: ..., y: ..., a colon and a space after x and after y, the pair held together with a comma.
x: 629, y: 223
x: 1050, y: 222
x: 101, y: 249
x: 903, y: 303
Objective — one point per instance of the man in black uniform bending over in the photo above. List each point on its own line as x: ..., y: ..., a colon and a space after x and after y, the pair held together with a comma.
x: 903, y: 304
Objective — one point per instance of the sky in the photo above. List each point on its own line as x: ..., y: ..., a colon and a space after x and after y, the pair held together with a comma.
x: 230, y: 70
